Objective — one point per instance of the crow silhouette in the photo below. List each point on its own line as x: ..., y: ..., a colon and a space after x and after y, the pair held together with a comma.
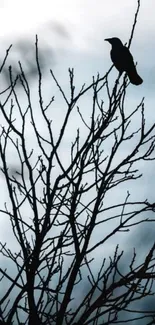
x: 123, y: 60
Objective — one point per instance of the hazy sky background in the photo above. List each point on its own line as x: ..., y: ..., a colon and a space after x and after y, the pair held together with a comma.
x: 71, y: 34
x: 75, y: 31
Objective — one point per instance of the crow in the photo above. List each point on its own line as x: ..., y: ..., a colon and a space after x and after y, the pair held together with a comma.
x: 123, y: 60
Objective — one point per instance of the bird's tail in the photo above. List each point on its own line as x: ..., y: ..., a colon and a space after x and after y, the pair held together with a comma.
x: 134, y: 78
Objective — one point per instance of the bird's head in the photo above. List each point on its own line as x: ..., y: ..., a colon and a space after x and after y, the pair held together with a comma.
x: 114, y: 41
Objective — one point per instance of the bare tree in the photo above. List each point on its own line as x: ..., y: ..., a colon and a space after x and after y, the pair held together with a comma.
x: 51, y: 279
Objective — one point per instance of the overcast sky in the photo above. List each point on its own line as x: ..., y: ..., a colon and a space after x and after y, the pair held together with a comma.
x: 87, y: 17
x: 74, y: 30
x: 87, y: 22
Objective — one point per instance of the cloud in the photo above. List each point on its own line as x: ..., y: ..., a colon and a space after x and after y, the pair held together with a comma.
x: 86, y: 22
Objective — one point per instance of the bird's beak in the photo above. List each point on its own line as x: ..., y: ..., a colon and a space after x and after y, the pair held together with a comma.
x: 108, y: 40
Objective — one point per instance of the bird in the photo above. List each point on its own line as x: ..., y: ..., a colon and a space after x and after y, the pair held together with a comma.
x: 123, y: 60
